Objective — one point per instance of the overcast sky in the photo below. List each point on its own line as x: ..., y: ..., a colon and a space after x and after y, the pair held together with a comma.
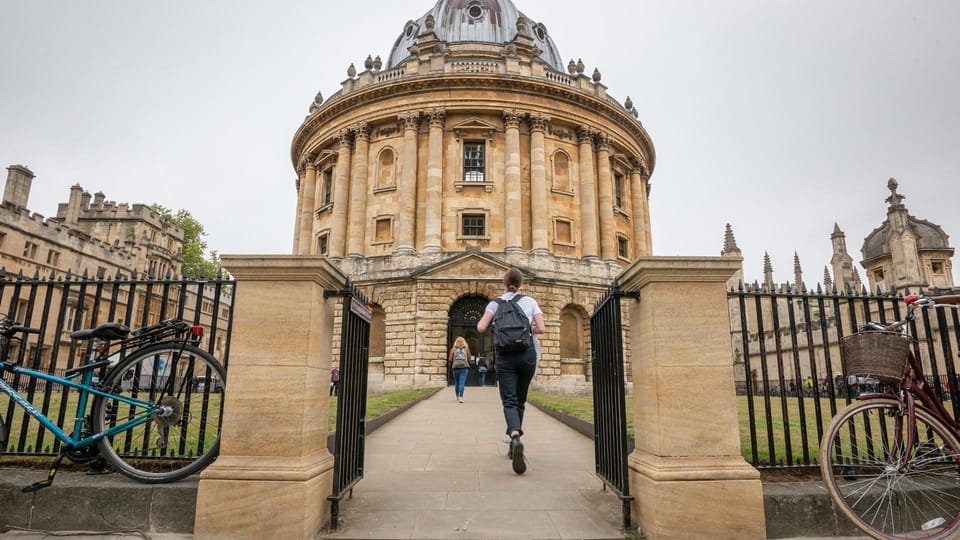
x: 778, y: 117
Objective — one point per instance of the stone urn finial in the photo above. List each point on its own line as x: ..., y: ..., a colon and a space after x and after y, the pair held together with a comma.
x: 892, y: 184
x: 368, y: 63
x: 317, y: 102
x: 522, y: 26
x: 352, y: 71
x: 580, y: 66
x: 596, y: 75
x: 628, y: 104
x: 377, y: 63
x: 430, y: 22
x: 572, y: 67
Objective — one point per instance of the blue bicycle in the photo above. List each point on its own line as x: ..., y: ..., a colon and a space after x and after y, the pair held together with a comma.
x: 149, y: 402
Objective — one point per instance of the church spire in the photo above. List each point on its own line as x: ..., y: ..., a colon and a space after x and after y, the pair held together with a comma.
x: 842, y: 262
x: 827, y: 282
x: 730, y: 243
x: 767, y: 271
x: 797, y: 272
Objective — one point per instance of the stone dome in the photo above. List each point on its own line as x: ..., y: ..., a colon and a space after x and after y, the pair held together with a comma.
x: 929, y: 235
x: 478, y: 21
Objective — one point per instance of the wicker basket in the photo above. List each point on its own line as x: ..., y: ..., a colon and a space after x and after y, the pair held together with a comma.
x: 881, y: 355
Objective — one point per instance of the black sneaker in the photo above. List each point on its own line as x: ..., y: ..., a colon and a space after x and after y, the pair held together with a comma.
x: 516, y: 456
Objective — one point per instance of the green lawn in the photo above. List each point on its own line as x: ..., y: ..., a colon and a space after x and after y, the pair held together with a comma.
x: 380, y: 404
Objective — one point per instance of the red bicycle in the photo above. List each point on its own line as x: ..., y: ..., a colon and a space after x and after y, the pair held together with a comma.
x: 891, y: 460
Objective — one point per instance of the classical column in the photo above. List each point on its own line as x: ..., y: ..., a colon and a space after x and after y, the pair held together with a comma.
x: 538, y: 184
x: 309, y: 188
x: 638, y: 192
x: 588, y: 200
x: 670, y: 476
x: 408, y: 184
x: 296, y: 217
x: 341, y: 197
x: 274, y: 473
x: 356, y: 233
x: 512, y: 211
x: 434, y: 216
x: 608, y: 228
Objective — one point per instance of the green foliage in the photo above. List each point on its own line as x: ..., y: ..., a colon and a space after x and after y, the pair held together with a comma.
x: 194, y: 246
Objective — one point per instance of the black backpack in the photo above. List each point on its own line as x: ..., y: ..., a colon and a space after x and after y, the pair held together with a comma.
x: 511, y: 327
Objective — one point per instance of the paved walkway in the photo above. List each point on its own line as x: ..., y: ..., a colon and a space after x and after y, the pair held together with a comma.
x: 440, y: 471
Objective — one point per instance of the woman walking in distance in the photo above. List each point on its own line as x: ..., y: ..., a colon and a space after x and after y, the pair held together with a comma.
x: 459, y: 360
x: 516, y: 364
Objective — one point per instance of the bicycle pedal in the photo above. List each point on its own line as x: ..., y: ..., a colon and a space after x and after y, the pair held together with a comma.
x: 37, y: 485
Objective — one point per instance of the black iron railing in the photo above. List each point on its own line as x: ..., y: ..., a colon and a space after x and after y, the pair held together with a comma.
x: 609, y: 406
x: 352, y: 400
x: 792, y: 377
x: 60, y: 304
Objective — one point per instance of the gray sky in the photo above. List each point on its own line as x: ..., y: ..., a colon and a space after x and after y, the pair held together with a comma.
x: 778, y: 117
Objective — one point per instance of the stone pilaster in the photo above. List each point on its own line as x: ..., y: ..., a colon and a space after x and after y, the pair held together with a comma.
x: 539, y: 212
x: 434, y: 217
x: 588, y: 197
x: 341, y: 198
x: 608, y: 235
x: 274, y: 472
x: 687, y: 450
x: 408, y: 184
x: 513, y: 211
x: 301, y: 173
x: 356, y: 233
x: 638, y: 204
x: 308, y: 189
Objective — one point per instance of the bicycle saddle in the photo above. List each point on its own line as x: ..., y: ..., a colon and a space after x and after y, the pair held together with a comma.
x: 110, y: 330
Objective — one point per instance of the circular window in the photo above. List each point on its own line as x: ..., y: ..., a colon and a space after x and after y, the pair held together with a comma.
x: 475, y: 11
x: 410, y: 30
x: 541, y: 32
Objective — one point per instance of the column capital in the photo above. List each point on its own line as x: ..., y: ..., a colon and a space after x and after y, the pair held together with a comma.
x: 538, y: 122
x: 410, y: 120
x: 585, y: 134
x: 361, y: 131
x: 438, y: 117
x: 603, y: 141
x: 511, y: 119
x: 344, y: 138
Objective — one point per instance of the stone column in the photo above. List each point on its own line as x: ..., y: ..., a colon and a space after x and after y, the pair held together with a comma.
x: 512, y: 211
x: 434, y: 217
x: 341, y: 198
x: 608, y: 228
x: 539, y: 212
x: 638, y: 205
x: 274, y: 472
x: 408, y: 184
x: 588, y: 201
x: 356, y: 233
x: 309, y: 189
x: 687, y: 476
x: 296, y: 218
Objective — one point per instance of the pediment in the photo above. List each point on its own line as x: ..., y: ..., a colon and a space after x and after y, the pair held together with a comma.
x: 470, y: 265
x: 474, y: 127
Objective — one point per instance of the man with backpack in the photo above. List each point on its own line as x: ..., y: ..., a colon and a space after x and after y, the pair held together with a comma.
x: 515, y: 318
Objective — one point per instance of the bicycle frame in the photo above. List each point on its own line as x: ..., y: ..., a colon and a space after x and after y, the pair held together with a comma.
x: 85, y: 388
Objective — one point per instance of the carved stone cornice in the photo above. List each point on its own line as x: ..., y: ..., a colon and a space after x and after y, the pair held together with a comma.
x: 361, y: 132
x: 538, y: 122
x: 511, y: 119
x: 410, y: 120
x: 438, y: 117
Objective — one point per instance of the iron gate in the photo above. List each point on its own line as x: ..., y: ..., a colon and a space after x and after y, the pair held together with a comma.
x: 352, y: 400
x: 609, y: 408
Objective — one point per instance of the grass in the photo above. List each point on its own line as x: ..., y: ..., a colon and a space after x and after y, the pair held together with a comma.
x: 380, y: 404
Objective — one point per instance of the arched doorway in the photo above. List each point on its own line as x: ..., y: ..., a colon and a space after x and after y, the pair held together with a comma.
x: 464, y: 315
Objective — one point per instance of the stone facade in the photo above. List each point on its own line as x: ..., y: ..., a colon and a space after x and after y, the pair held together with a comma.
x: 424, y: 181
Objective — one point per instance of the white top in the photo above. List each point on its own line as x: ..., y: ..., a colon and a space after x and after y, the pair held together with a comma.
x: 526, y: 303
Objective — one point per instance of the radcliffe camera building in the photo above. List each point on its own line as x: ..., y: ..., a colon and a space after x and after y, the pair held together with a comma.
x: 471, y: 148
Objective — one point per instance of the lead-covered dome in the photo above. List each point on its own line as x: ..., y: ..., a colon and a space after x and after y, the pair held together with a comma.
x: 480, y: 21
x: 930, y: 236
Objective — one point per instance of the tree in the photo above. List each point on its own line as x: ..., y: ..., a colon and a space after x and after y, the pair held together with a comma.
x: 194, y: 246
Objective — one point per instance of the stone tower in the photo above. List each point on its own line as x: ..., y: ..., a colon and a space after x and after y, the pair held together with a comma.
x: 471, y: 149
x: 906, y: 253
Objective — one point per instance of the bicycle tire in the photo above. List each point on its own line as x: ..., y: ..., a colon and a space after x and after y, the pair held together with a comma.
x: 859, y: 460
x: 171, y: 447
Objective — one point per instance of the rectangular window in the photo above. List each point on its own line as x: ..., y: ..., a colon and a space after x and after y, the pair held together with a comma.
x: 30, y: 250
x: 382, y: 230
x: 622, y: 248
x: 564, y: 233
x: 474, y: 225
x: 937, y: 267
x: 327, y: 187
x: 53, y: 257
x: 473, y: 161
x: 322, y: 243
x: 618, y: 190
x: 2, y: 236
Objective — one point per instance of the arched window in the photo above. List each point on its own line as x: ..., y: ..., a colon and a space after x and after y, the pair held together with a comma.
x: 378, y: 333
x: 386, y: 169
x: 561, y: 171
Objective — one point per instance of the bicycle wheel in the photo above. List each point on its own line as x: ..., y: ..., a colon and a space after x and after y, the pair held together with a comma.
x: 185, y: 438
x: 861, y: 455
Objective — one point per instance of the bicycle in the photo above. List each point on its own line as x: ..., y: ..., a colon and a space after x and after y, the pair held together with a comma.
x: 155, y: 417
x: 897, y: 473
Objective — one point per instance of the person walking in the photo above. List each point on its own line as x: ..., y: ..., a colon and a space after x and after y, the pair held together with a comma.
x: 458, y: 360
x: 334, y: 382
x: 482, y: 370
x: 516, y: 363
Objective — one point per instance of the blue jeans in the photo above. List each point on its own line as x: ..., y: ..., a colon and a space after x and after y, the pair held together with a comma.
x: 483, y: 378
x: 514, y: 372
x: 459, y: 379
